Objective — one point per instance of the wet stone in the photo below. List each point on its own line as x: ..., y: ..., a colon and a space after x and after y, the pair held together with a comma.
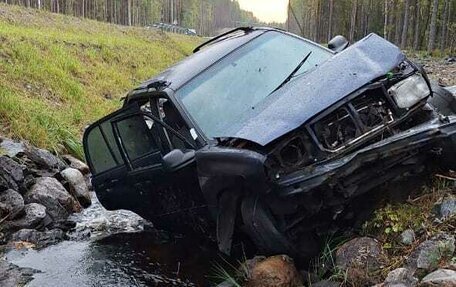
x: 12, y: 203
x: 44, y: 159
x: 76, y: 163
x: 13, y: 276
x: 50, y: 193
x: 11, y: 148
x: 39, y: 238
x: 11, y: 174
x: 77, y: 186
x: 35, y: 215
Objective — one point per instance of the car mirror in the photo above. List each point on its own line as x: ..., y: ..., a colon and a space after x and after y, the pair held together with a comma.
x: 338, y: 43
x: 177, y: 158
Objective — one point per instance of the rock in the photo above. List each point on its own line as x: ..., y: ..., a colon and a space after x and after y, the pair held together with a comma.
x: 13, y: 276
x: 446, y: 208
x: 441, y: 278
x: 76, y: 163
x: 50, y: 193
x: 11, y: 148
x: 77, y: 185
x: 408, y: 237
x: 400, y: 277
x: 427, y: 256
x: 450, y: 60
x: 11, y: 174
x: 44, y: 158
x: 326, y: 283
x: 39, y: 238
x: 35, y: 215
x: 359, y: 257
x: 275, y: 271
x: 13, y: 203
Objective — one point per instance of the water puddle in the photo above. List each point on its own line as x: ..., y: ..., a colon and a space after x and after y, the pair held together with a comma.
x: 119, y: 249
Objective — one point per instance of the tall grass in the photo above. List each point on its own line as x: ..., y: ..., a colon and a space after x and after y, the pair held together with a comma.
x: 60, y: 73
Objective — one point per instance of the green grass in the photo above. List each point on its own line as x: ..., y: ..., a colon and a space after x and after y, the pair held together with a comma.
x: 58, y: 73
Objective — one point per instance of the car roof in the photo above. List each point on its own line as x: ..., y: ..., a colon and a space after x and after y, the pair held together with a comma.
x: 206, y: 55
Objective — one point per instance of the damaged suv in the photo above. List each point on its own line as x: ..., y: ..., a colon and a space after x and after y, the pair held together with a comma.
x: 264, y: 135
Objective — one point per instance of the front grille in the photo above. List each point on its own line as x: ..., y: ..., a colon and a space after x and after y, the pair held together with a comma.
x: 358, y: 118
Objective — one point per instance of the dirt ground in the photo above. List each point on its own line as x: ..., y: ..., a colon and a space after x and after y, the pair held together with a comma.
x: 441, y: 70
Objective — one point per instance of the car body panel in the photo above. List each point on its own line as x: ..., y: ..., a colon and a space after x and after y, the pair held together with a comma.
x: 306, y: 96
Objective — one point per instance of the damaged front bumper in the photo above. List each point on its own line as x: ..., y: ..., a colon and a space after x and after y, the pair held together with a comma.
x: 362, y: 170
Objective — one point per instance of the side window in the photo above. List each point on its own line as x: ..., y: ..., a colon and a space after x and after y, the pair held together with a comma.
x: 102, y: 149
x: 136, y: 137
x: 101, y: 157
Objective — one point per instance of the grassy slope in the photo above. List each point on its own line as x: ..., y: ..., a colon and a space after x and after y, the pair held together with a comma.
x: 59, y: 73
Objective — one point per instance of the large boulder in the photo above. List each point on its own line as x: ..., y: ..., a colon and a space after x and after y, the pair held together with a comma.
x: 44, y: 159
x: 50, y: 192
x: 11, y: 174
x: 77, y: 185
x: 359, y: 257
x: 12, y: 202
x: 76, y: 163
x: 430, y: 253
x: 275, y: 271
x: 35, y: 217
x: 39, y: 238
x: 441, y: 278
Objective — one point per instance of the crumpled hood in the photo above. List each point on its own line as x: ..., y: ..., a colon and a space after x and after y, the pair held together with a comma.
x: 309, y: 94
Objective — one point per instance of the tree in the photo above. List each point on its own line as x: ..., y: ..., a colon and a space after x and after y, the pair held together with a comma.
x: 433, y: 27
x: 405, y: 26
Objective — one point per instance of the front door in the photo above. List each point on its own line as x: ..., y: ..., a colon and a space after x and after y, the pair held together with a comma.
x: 125, y: 152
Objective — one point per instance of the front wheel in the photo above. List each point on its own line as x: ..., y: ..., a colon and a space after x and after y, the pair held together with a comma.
x: 263, y: 229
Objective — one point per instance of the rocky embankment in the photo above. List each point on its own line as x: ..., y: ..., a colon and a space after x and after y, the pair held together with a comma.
x: 38, y: 192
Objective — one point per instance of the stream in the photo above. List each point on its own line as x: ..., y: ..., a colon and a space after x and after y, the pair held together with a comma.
x: 119, y: 248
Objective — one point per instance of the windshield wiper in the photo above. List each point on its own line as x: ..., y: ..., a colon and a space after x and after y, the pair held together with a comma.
x: 294, y: 72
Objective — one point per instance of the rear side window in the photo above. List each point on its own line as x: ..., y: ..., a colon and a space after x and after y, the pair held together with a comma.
x: 101, y: 157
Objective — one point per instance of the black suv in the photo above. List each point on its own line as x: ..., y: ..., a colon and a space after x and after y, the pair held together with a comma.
x: 264, y: 135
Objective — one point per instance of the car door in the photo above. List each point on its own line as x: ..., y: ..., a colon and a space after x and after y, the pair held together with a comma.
x: 128, y: 171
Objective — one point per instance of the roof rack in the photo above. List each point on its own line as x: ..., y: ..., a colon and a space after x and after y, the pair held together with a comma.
x: 245, y: 29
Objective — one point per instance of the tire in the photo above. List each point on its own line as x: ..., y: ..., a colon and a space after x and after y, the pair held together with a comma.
x: 262, y: 228
x: 443, y: 100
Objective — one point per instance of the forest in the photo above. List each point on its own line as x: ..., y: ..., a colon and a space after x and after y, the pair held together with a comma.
x: 205, y: 16
x: 411, y: 24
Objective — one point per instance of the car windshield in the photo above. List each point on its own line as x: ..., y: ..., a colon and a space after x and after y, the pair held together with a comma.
x: 218, y: 97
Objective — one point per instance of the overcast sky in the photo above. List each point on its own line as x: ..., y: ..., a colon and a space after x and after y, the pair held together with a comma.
x: 267, y: 10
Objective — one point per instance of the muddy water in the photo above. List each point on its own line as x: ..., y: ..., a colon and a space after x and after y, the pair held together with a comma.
x: 119, y: 249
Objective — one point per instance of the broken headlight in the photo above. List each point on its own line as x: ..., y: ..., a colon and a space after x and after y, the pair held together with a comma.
x: 410, y: 91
